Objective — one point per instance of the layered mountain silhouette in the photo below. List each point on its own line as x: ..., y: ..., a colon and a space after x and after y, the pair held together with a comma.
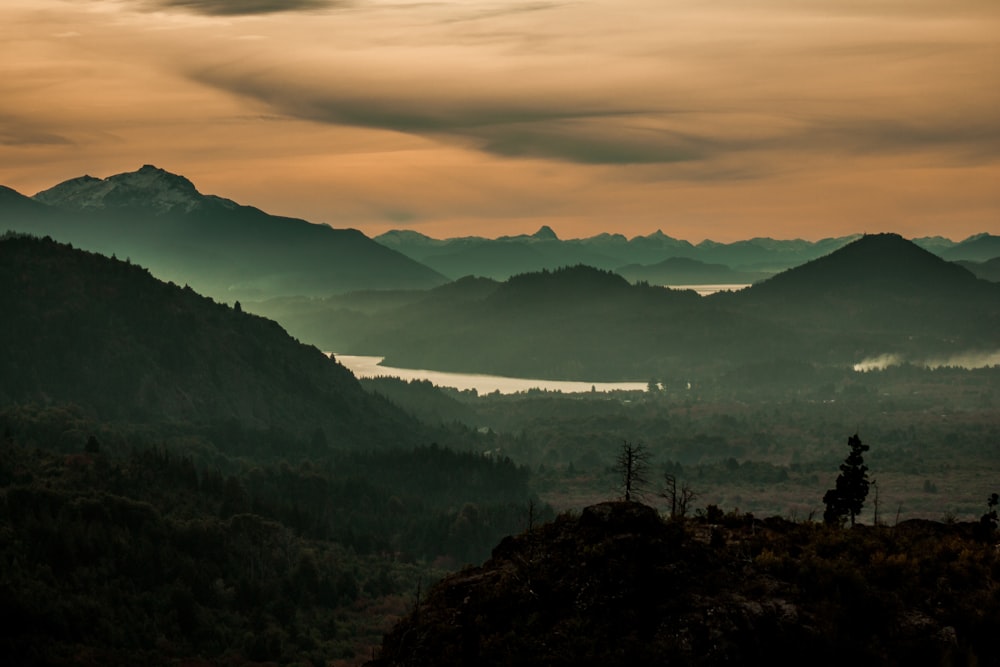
x: 506, y: 256
x: 104, y: 335
x: 988, y: 270
x: 879, y: 294
x: 687, y: 271
x: 222, y: 248
x: 978, y: 248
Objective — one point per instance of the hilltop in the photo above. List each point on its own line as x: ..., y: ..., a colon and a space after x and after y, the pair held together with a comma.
x: 618, y: 585
x: 223, y: 249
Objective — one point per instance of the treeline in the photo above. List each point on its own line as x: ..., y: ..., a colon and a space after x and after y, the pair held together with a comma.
x: 122, y: 554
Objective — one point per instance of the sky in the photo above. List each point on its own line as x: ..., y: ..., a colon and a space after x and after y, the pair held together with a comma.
x: 719, y: 119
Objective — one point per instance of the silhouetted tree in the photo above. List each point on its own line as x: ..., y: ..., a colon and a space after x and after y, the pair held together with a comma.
x: 679, y: 499
x: 631, y: 467
x: 848, y: 497
x: 989, y: 519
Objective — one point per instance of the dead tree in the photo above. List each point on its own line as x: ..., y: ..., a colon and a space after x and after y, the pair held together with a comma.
x: 631, y: 467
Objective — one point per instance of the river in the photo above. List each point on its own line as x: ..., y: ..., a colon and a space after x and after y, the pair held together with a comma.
x: 368, y: 367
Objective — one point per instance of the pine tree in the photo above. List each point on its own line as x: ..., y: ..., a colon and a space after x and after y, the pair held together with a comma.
x: 848, y: 498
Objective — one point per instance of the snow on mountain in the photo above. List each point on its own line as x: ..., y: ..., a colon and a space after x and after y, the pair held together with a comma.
x: 149, y: 187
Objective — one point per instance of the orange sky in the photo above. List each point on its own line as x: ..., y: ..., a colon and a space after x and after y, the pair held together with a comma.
x: 720, y: 119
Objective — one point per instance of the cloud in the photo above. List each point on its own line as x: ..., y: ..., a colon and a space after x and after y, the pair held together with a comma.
x: 571, y: 125
x: 244, y: 7
x: 572, y: 130
x: 20, y: 132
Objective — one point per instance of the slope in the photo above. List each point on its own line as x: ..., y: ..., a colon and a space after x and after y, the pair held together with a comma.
x: 223, y: 249
x: 620, y: 586
x: 104, y: 334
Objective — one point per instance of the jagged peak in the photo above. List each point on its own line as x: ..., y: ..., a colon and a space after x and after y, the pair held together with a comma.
x: 545, y: 233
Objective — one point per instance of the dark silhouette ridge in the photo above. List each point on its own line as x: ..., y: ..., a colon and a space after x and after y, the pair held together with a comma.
x: 618, y: 586
x: 885, y: 263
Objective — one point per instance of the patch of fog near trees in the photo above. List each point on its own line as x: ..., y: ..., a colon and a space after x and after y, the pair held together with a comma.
x: 967, y: 360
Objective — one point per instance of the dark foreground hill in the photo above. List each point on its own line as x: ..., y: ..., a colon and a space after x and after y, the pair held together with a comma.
x: 619, y: 586
x: 105, y: 335
x: 221, y: 248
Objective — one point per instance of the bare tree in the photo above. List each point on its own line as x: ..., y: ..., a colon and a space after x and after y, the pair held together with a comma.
x: 631, y: 467
x: 679, y: 499
x: 670, y: 492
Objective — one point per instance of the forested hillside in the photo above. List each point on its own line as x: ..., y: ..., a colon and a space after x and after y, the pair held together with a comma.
x: 219, y: 247
x: 182, y: 481
x: 104, y: 334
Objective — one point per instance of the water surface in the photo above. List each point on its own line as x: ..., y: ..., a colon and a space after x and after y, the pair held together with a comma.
x: 368, y: 367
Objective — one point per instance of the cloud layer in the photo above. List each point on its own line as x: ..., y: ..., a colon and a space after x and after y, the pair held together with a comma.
x: 242, y: 7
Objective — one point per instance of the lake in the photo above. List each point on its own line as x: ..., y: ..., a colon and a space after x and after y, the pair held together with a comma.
x: 705, y: 290
x: 368, y: 367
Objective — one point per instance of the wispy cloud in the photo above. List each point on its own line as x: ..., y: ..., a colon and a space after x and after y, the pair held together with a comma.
x: 16, y: 131
x: 243, y: 7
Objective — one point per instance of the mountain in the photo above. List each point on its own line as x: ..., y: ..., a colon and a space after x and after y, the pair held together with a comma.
x: 13, y: 202
x: 222, y: 248
x: 879, y: 294
x: 619, y: 586
x: 881, y: 291
x: 686, y: 271
x: 978, y: 248
x: 935, y: 244
x: 875, y: 263
x: 497, y: 258
x: 988, y: 270
x: 105, y: 335
x: 507, y: 256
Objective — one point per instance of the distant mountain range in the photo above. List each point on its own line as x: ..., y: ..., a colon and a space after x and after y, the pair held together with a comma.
x: 652, y: 258
x: 231, y: 251
x: 221, y: 248
x: 104, y: 335
x: 876, y: 295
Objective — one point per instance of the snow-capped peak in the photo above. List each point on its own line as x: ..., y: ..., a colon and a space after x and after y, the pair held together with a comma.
x: 149, y: 187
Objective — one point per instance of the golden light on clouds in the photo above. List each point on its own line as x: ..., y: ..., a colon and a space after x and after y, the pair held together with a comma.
x: 718, y: 120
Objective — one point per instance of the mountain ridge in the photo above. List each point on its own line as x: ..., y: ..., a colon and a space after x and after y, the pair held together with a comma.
x: 224, y: 249
x: 881, y: 294
x: 105, y: 335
